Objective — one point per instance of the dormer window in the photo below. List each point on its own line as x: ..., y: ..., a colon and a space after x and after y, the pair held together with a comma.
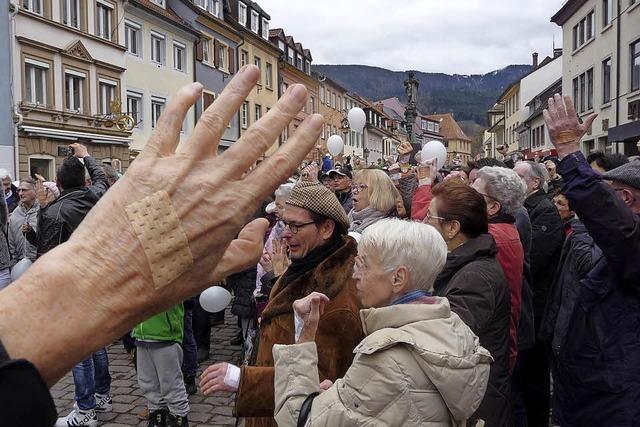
x: 255, y: 21
x: 265, y: 29
x: 159, y: 2
x: 242, y: 14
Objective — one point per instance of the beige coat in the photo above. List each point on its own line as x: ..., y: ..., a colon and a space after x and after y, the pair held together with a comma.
x: 419, y: 365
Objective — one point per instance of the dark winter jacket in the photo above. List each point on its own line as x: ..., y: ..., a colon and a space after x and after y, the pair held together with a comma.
x: 526, y: 329
x: 475, y: 285
x: 14, y: 199
x: 243, y: 284
x: 546, y: 244
x: 346, y: 200
x: 5, y: 255
x: 61, y: 217
x: 598, y: 381
x: 554, y: 185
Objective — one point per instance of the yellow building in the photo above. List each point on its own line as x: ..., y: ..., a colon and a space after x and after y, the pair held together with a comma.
x: 510, y: 98
x: 457, y: 142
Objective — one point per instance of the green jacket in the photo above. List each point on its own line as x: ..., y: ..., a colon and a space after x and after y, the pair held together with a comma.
x: 165, y: 326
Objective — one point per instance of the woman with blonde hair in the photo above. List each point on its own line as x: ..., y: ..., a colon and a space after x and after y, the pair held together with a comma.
x: 374, y: 198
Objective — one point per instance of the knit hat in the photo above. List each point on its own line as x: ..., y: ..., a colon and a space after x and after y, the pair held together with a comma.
x: 628, y: 174
x: 318, y: 199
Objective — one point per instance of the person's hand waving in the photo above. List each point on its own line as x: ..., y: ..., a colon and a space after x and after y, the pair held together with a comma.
x: 565, y: 129
x: 309, y: 309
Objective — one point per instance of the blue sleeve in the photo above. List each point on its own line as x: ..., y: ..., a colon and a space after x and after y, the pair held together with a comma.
x: 611, y: 223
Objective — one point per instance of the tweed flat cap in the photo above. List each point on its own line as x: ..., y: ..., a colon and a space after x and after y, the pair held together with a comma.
x: 628, y: 174
x: 318, y: 199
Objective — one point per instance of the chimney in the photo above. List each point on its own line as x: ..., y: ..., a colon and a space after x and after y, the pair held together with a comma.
x: 557, y: 52
x: 535, y: 59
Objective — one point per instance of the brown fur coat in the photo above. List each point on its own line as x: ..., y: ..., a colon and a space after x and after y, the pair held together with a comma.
x: 339, y: 331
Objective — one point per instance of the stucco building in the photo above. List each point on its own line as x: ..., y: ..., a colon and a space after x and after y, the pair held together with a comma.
x: 457, y: 142
x: 601, y: 69
x: 68, y: 70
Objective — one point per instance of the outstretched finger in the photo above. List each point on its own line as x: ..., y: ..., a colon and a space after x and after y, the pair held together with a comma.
x: 552, y: 109
x: 262, y: 134
x: 166, y: 137
x: 213, y: 121
x: 277, y: 168
x: 589, y: 120
x: 571, y: 109
x: 562, y: 111
x: 547, y: 119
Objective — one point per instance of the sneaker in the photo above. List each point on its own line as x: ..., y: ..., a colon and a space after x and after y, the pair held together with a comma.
x: 158, y: 418
x: 79, y: 418
x: 177, y: 421
x: 103, y: 403
x: 190, y: 385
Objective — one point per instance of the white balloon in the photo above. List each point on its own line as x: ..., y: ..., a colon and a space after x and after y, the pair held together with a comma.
x: 335, y: 145
x: 19, y: 269
x: 357, y: 119
x: 434, y: 150
x: 215, y: 299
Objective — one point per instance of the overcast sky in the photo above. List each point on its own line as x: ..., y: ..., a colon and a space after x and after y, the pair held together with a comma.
x: 449, y: 36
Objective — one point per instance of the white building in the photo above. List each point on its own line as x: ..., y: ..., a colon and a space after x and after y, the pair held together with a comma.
x: 68, y: 67
x: 159, y: 61
x: 601, y: 69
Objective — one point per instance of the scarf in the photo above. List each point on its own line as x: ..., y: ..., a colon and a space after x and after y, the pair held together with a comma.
x: 417, y: 296
x: 299, y: 267
x: 364, y: 218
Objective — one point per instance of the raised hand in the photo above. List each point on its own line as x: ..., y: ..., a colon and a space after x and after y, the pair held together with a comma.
x: 279, y: 259
x: 405, y: 148
x: 427, y: 171
x: 565, y: 129
x: 309, y: 309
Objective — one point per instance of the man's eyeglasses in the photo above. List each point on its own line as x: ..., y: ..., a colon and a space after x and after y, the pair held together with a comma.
x: 294, y: 228
x: 358, y: 188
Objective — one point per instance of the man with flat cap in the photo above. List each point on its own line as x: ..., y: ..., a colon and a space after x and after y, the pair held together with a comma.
x: 322, y: 259
x: 598, y: 366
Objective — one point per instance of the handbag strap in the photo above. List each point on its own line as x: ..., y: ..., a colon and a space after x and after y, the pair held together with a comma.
x: 305, y: 409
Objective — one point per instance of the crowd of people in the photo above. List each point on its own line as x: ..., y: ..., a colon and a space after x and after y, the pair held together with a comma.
x: 498, y: 294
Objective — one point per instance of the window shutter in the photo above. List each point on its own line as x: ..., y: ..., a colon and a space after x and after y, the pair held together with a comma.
x: 232, y: 60
x: 216, y: 54
x: 199, y: 51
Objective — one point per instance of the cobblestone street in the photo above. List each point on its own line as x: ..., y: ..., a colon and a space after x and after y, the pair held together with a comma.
x: 127, y: 397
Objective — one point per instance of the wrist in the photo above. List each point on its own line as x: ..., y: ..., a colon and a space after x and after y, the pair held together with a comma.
x: 567, y: 148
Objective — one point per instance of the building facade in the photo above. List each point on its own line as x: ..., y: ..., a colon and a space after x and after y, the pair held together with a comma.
x: 512, y: 116
x: 535, y: 135
x: 294, y: 67
x: 334, y: 107
x: 161, y: 45
x: 424, y: 129
x: 8, y: 142
x: 252, y: 23
x: 601, y: 69
x: 457, y: 142
x: 494, y: 135
x: 215, y: 55
x: 68, y: 72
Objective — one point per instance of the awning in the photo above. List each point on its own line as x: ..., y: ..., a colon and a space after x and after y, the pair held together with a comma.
x: 627, y: 132
x: 75, y: 136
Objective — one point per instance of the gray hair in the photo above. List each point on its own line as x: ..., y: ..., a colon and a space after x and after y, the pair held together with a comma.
x: 284, y: 190
x: 5, y: 174
x: 504, y: 185
x: 417, y: 246
x: 536, y: 170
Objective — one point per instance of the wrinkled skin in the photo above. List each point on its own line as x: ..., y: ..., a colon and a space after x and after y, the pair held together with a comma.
x: 98, y: 285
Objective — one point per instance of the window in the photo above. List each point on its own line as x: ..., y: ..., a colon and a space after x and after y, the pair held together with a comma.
x: 159, y: 2
x: 313, y: 104
x: 333, y: 100
x: 322, y: 135
x: 255, y: 21
x: 134, y: 107
x: 322, y: 94
x: 265, y: 29
x: 244, y: 58
x: 214, y: 7
x: 258, y: 112
x: 74, y: 90
x: 607, y: 12
x: 104, y: 20
x: 281, y: 45
x: 606, y: 80
x: 206, y: 51
x: 36, y: 82
x: 635, y: 65
x: 222, y: 56
x: 242, y: 13
x: 258, y: 63
x: 584, y: 30
x: 107, y: 93
x: 583, y: 91
x: 284, y: 87
x: 244, y: 115
x: 290, y: 55
x: 158, y: 48
x: 34, y: 6
x: 299, y: 61
x: 157, y: 106
x: 207, y: 99
x: 42, y: 164
x: 132, y: 38
x: 179, y: 52
x: 71, y: 13
x: 268, y: 75
x: 307, y: 67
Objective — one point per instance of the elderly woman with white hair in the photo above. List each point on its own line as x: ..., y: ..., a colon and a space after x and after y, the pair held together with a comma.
x: 504, y: 191
x: 419, y: 363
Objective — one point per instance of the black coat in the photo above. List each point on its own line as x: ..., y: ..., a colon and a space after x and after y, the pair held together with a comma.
x: 61, y: 217
x: 474, y: 283
x: 546, y: 244
x: 14, y: 200
x: 243, y: 284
